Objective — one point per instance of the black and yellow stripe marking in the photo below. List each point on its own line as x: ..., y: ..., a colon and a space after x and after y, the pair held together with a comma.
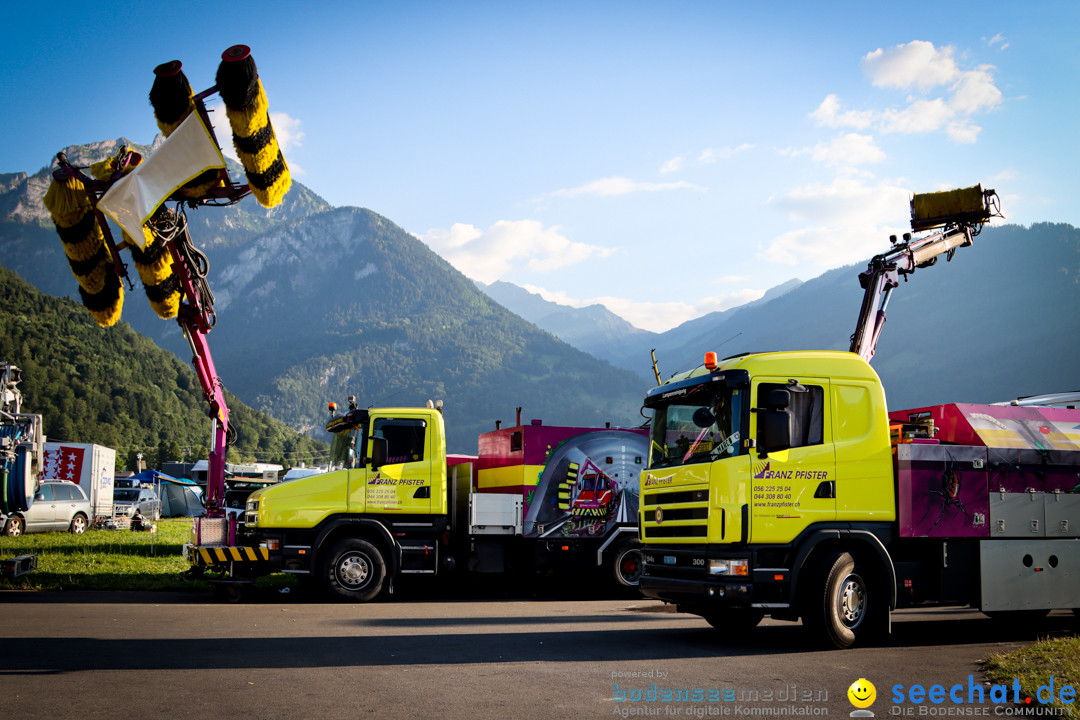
x: 214, y: 555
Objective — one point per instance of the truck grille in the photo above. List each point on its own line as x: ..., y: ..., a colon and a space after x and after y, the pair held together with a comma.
x: 675, y: 514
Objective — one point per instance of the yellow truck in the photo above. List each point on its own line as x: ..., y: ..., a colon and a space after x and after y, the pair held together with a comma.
x: 535, y: 497
x: 780, y: 484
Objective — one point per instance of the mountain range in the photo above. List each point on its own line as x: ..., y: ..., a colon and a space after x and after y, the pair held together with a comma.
x: 602, y: 333
x: 995, y: 323
x: 316, y: 303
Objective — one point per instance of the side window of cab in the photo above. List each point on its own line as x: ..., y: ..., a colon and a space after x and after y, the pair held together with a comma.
x: 805, y: 411
x: 405, y: 439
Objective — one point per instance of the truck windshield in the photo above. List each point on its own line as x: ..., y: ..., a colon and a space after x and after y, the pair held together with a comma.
x: 342, y: 448
x: 700, y: 428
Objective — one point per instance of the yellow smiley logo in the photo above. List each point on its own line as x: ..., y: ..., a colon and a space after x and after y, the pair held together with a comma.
x: 862, y: 693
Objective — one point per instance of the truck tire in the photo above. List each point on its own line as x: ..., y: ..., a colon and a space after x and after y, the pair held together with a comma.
x: 626, y: 565
x: 14, y: 526
x: 836, y: 609
x: 354, y: 570
x: 78, y: 524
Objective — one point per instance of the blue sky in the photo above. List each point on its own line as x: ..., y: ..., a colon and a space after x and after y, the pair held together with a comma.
x: 666, y: 159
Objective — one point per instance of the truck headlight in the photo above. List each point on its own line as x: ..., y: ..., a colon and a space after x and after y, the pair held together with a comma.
x: 251, y: 513
x: 729, y: 567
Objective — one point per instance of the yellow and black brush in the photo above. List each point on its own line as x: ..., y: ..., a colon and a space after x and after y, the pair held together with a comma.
x: 155, y: 266
x: 107, y: 304
x: 249, y: 117
x: 171, y: 96
x: 173, y: 100
x: 84, y: 245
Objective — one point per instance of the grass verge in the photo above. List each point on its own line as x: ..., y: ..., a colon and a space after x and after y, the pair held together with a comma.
x: 1050, y: 660
x: 103, y: 559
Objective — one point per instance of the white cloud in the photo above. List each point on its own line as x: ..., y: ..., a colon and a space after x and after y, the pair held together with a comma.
x: 616, y: 186
x: 975, y: 91
x: 489, y: 255
x: 655, y: 316
x: 942, y: 96
x: 998, y: 39
x: 829, y: 114
x: 847, y: 150
x: 673, y: 165
x: 708, y: 156
x: 921, y: 116
x: 962, y: 131
x: 288, y: 131
x: 917, y: 64
x: 711, y: 155
x: 845, y: 221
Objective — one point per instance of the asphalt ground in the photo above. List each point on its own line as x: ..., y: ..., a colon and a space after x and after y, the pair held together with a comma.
x: 150, y: 655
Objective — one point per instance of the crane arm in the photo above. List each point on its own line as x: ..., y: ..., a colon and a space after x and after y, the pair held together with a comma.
x: 960, y: 214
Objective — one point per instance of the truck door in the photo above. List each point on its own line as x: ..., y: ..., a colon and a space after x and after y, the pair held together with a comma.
x: 403, y: 484
x: 794, y: 488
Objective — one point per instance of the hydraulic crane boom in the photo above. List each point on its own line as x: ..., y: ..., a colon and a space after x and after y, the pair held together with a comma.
x: 960, y: 213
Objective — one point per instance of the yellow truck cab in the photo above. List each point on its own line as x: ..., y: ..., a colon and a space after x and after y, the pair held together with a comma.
x: 387, y: 506
x: 779, y: 484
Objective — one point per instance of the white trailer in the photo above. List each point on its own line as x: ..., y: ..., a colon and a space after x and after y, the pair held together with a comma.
x: 90, y: 466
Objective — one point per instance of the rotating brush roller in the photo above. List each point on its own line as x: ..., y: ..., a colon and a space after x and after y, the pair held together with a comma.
x: 85, y: 248
x: 173, y: 100
x: 249, y: 117
x: 154, y: 265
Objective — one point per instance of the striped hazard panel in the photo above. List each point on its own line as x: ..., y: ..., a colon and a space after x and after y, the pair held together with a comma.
x: 211, y: 555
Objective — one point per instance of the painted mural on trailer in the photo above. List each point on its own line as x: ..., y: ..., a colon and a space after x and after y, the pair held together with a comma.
x: 589, y: 485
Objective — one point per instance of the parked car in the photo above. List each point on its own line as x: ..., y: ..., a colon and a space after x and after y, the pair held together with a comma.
x: 126, y: 500
x: 58, y: 505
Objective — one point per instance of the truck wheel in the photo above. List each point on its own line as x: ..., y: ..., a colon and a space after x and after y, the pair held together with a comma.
x: 354, y: 570
x: 626, y: 565
x: 229, y: 592
x: 836, y: 609
x: 78, y: 525
x: 14, y: 526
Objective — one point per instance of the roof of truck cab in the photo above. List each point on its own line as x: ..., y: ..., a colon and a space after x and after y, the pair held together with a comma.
x: 805, y: 363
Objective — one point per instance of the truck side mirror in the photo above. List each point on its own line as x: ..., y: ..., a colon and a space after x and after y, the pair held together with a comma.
x: 778, y: 400
x: 703, y: 417
x: 774, y: 423
x: 378, y: 452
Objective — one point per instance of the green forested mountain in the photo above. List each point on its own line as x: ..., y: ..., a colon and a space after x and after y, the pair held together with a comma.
x: 114, y: 387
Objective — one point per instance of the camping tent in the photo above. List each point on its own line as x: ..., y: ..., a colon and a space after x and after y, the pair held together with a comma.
x: 179, y: 497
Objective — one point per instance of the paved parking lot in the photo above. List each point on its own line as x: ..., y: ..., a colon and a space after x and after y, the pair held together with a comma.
x: 140, y: 655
